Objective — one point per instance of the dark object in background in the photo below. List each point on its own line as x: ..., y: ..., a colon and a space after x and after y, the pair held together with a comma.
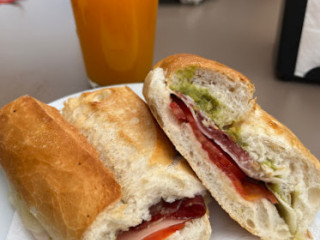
x: 194, y: 2
x: 189, y: 2
x: 295, y: 33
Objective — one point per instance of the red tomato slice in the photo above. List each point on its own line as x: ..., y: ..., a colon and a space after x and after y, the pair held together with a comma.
x: 178, y: 112
x: 164, y: 233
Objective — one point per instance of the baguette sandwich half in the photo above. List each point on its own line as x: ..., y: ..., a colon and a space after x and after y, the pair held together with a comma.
x: 128, y: 183
x: 160, y: 193
x: 255, y: 167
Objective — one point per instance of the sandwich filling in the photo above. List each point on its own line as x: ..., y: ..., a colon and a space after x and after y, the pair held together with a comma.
x: 253, y: 179
x: 212, y: 114
x: 166, y: 219
x: 249, y: 188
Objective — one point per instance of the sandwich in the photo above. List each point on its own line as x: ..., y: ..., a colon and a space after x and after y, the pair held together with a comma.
x: 107, y: 172
x: 254, y: 166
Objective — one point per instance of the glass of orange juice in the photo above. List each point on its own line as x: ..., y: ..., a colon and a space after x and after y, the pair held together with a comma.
x: 116, y: 38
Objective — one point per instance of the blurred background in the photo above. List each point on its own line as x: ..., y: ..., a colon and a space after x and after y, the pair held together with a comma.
x: 40, y: 52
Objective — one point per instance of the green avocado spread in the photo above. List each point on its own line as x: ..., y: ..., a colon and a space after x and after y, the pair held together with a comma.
x: 270, y: 163
x: 200, y: 95
x: 235, y: 134
x: 186, y: 73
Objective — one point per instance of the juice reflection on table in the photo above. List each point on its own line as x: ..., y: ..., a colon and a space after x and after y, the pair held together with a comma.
x: 117, y: 38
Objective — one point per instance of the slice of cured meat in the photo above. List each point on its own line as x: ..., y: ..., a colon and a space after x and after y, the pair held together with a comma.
x: 166, y: 219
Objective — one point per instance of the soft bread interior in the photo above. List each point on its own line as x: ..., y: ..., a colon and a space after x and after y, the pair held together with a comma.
x: 120, y: 126
x: 298, y: 170
x: 263, y: 136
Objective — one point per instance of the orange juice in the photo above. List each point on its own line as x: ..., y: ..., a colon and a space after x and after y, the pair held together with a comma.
x: 116, y: 38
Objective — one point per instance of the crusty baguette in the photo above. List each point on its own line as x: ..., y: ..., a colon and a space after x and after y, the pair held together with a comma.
x: 46, y: 160
x: 58, y: 177
x: 264, y: 137
x: 119, y: 125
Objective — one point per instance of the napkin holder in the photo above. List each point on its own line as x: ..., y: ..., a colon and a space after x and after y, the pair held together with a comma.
x: 299, y: 46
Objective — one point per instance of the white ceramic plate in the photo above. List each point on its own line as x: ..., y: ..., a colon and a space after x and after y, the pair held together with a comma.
x: 223, y: 227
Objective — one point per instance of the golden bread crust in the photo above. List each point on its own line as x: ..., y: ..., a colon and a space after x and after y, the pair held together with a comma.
x: 179, y: 61
x: 133, y: 111
x: 53, y: 168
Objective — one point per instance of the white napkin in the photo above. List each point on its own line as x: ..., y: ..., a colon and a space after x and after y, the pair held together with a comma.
x: 223, y: 227
x: 309, y: 48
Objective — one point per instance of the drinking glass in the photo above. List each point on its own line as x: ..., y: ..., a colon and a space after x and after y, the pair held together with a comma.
x: 116, y: 38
